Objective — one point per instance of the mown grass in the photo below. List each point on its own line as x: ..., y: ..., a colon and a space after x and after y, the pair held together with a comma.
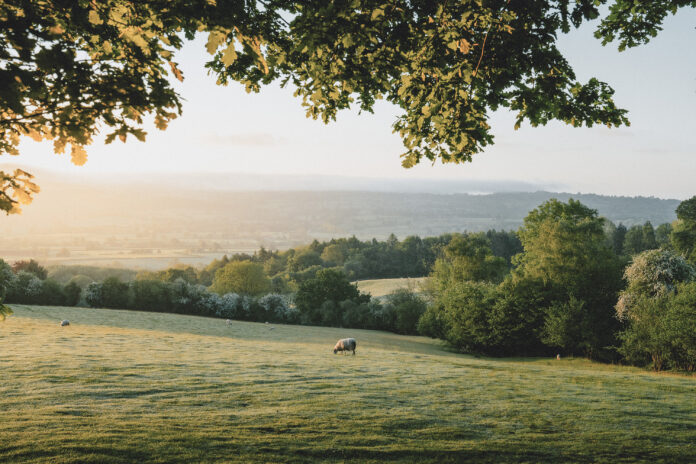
x: 122, y: 387
x: 382, y: 287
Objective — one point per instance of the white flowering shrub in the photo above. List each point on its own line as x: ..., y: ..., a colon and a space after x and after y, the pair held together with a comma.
x: 653, y: 274
x: 25, y: 288
x: 277, y: 308
x: 208, y: 304
x: 228, y: 306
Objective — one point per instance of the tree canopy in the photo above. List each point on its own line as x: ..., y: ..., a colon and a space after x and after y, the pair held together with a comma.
x: 6, y: 277
x: 243, y: 277
x: 683, y: 235
x: 72, y: 69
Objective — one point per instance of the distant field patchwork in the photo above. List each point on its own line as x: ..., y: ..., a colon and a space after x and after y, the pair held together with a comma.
x: 124, y: 386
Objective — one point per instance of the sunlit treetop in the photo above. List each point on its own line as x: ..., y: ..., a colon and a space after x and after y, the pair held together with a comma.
x: 71, y: 69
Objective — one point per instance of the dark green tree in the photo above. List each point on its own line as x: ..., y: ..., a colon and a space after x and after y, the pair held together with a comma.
x: 304, y: 259
x: 150, y: 295
x: 468, y: 257
x: 633, y: 243
x: 686, y: 211
x: 52, y: 293
x: 649, y: 240
x: 618, y: 239
x: 683, y: 236
x: 505, y: 244
x: 565, y: 248
x: 662, y: 235
x: 407, y: 307
x: 329, y: 288
x: 464, y: 311
x: 6, y: 278
x: 73, y: 292
x: 114, y: 293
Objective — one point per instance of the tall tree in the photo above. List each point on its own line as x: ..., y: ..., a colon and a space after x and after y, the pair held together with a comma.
x: 69, y: 68
x: 32, y: 267
x: 243, y: 277
x: 618, y: 239
x: 684, y: 233
x: 662, y: 234
x: 565, y: 248
x: 649, y: 240
x: 468, y: 258
x: 328, y: 286
x: 6, y: 278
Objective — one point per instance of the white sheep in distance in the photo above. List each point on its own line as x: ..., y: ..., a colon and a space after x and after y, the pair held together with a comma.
x: 345, y: 344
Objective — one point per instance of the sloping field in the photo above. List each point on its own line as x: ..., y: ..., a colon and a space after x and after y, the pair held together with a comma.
x: 383, y: 287
x: 122, y: 387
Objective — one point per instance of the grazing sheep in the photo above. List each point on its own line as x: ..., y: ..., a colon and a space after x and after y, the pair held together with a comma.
x: 228, y: 322
x: 64, y: 322
x: 346, y: 344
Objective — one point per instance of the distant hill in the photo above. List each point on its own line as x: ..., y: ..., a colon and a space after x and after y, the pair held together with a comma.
x: 134, y: 222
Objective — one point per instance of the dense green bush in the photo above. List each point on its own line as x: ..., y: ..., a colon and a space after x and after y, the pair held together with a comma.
x: 683, y: 237
x: 560, y: 295
x: 149, y: 295
x: 405, y: 308
x: 318, y: 299
x: 6, y: 277
x: 661, y: 331
x: 72, y: 293
x: 658, y: 308
x: 114, y: 293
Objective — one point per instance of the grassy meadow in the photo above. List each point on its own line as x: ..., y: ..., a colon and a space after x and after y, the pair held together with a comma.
x: 382, y: 287
x: 123, y: 386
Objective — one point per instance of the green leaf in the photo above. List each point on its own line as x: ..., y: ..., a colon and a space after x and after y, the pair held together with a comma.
x: 94, y: 18
x: 229, y: 55
x: 377, y: 13
x: 215, y: 38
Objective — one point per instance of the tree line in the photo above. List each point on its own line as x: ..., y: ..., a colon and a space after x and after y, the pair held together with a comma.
x: 568, y: 281
x: 573, y: 290
x: 284, y: 271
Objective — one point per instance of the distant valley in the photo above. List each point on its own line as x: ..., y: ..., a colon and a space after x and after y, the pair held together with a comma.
x: 153, y: 224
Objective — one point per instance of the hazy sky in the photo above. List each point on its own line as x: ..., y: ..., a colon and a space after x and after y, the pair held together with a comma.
x: 223, y: 129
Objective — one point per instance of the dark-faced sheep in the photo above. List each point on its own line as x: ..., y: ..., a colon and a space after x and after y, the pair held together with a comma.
x: 64, y: 322
x: 345, y: 344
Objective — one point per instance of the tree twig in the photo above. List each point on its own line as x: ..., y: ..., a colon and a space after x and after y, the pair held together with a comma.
x: 483, y: 46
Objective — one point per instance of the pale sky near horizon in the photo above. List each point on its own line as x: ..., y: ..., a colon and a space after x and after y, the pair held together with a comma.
x: 223, y: 129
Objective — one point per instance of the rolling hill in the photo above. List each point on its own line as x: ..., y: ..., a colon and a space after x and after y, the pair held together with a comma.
x: 128, y: 386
